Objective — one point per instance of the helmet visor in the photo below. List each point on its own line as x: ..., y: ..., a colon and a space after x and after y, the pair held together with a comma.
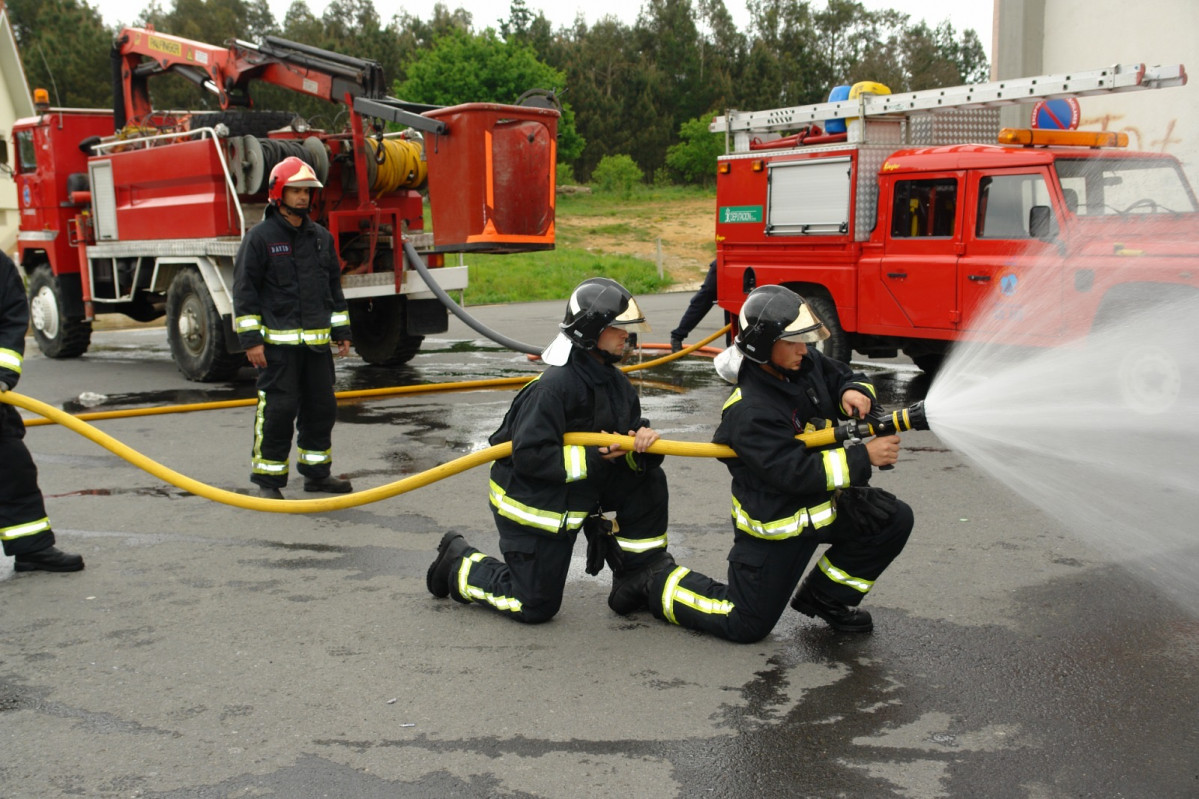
x: 805, y: 327
x: 632, y: 319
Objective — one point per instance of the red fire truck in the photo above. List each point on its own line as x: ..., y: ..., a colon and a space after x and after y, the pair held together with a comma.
x: 140, y: 212
x: 911, y: 222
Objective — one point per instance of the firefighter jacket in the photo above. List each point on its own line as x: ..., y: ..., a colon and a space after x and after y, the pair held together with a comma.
x: 287, y: 286
x: 780, y: 487
x: 14, y: 320
x: 534, y: 485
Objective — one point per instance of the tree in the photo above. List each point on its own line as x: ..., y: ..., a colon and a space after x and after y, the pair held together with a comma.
x: 463, y: 67
x: 524, y: 27
x: 599, y: 71
x: 64, y: 49
x: 617, y: 174
x: 693, y: 159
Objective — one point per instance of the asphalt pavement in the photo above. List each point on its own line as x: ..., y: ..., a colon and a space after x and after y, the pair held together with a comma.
x: 211, y: 651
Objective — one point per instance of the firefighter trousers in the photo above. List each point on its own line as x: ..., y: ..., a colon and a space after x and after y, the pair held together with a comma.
x: 527, y: 584
x: 24, y: 527
x: 763, y: 574
x: 295, y: 394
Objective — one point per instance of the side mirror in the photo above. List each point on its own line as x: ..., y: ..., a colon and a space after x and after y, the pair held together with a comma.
x: 3, y: 151
x: 1041, y: 224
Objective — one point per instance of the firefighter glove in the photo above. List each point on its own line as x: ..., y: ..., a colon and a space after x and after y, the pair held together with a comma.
x: 866, y: 508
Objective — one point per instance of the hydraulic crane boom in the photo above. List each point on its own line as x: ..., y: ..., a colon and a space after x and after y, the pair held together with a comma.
x: 141, y: 53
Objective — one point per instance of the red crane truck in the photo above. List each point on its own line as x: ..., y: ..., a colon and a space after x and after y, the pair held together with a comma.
x: 140, y: 212
x: 912, y: 222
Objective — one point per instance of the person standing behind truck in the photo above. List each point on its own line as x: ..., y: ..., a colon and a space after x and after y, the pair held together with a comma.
x: 697, y: 309
x: 24, y: 526
x: 288, y: 306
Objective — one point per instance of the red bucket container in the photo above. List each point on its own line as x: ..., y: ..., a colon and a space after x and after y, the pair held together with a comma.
x: 491, y: 178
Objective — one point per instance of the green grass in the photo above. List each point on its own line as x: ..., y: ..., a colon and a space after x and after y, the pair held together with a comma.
x: 551, y: 275
x: 526, y: 277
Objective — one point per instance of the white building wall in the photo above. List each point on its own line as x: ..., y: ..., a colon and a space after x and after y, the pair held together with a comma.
x: 1038, y: 37
x: 15, y: 103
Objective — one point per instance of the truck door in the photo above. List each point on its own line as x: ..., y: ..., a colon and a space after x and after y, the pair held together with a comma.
x: 29, y: 183
x: 1010, y: 273
x: 918, y: 269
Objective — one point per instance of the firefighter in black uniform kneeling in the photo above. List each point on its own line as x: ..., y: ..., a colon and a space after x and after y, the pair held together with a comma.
x: 788, y: 499
x: 289, y: 306
x: 24, y: 525
x: 546, y: 491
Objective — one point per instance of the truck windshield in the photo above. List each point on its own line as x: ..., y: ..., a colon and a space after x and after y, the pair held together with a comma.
x: 1124, y: 186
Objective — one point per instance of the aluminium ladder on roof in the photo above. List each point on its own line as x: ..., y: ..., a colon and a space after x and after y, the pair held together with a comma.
x: 1117, y: 78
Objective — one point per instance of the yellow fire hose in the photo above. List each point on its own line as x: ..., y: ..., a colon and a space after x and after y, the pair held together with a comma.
x: 52, y: 415
x: 910, y: 418
x: 431, y: 388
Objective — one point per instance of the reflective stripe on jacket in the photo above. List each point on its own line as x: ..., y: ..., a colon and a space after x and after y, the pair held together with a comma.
x: 779, y: 486
x: 287, y: 286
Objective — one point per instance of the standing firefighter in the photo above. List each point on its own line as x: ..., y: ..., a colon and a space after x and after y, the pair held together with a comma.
x: 289, y: 306
x: 788, y: 499
x: 546, y: 491
x: 24, y: 526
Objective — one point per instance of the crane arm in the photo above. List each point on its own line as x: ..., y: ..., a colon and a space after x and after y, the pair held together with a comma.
x: 142, y: 53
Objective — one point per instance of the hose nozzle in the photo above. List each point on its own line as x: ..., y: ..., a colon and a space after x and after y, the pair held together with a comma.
x: 878, y: 423
x: 912, y: 417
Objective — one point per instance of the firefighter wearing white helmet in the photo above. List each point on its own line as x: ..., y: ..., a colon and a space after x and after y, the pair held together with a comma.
x: 546, y: 491
x: 288, y: 308
x: 787, y: 499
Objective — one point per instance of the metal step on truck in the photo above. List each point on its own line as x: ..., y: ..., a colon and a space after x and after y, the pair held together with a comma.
x: 140, y: 211
x: 913, y: 222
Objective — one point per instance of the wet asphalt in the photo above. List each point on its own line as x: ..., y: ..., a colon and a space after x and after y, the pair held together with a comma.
x: 210, y: 651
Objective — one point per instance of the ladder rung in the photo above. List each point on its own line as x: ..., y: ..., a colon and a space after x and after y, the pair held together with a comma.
x: 1118, y: 78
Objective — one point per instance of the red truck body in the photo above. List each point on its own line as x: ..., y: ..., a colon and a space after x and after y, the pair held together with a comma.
x: 141, y: 212
x: 912, y: 248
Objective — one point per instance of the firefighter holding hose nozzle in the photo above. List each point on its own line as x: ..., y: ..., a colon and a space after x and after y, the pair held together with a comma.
x: 787, y: 498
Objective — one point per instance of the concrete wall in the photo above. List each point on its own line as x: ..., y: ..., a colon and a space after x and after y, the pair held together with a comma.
x: 1038, y: 37
x: 15, y: 103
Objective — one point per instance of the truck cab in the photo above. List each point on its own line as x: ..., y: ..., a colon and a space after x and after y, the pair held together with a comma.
x: 916, y: 229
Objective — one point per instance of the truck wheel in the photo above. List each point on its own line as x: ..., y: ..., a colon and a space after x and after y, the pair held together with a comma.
x: 195, y: 331
x: 58, y: 335
x: 1156, y: 374
x: 836, y: 346
x: 929, y: 362
x: 1152, y: 378
x: 380, y: 332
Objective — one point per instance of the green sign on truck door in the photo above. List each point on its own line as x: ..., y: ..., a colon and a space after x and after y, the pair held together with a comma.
x: 740, y: 213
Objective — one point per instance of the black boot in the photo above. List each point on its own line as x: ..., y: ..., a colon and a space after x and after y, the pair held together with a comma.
x: 268, y: 492
x: 630, y: 589
x: 328, y: 485
x: 50, y: 559
x: 838, y: 615
x: 452, y: 547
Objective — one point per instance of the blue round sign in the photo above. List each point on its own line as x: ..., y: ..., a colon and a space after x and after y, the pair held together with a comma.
x: 1058, y: 114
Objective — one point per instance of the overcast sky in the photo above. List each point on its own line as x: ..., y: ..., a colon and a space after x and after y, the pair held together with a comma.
x: 963, y: 14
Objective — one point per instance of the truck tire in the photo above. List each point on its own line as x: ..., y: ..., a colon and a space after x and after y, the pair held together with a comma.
x: 1156, y: 373
x: 196, y: 332
x: 929, y: 363
x: 836, y: 346
x: 58, y: 334
x: 380, y: 331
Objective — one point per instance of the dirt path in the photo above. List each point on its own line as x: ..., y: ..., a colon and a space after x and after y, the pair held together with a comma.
x: 686, y: 228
